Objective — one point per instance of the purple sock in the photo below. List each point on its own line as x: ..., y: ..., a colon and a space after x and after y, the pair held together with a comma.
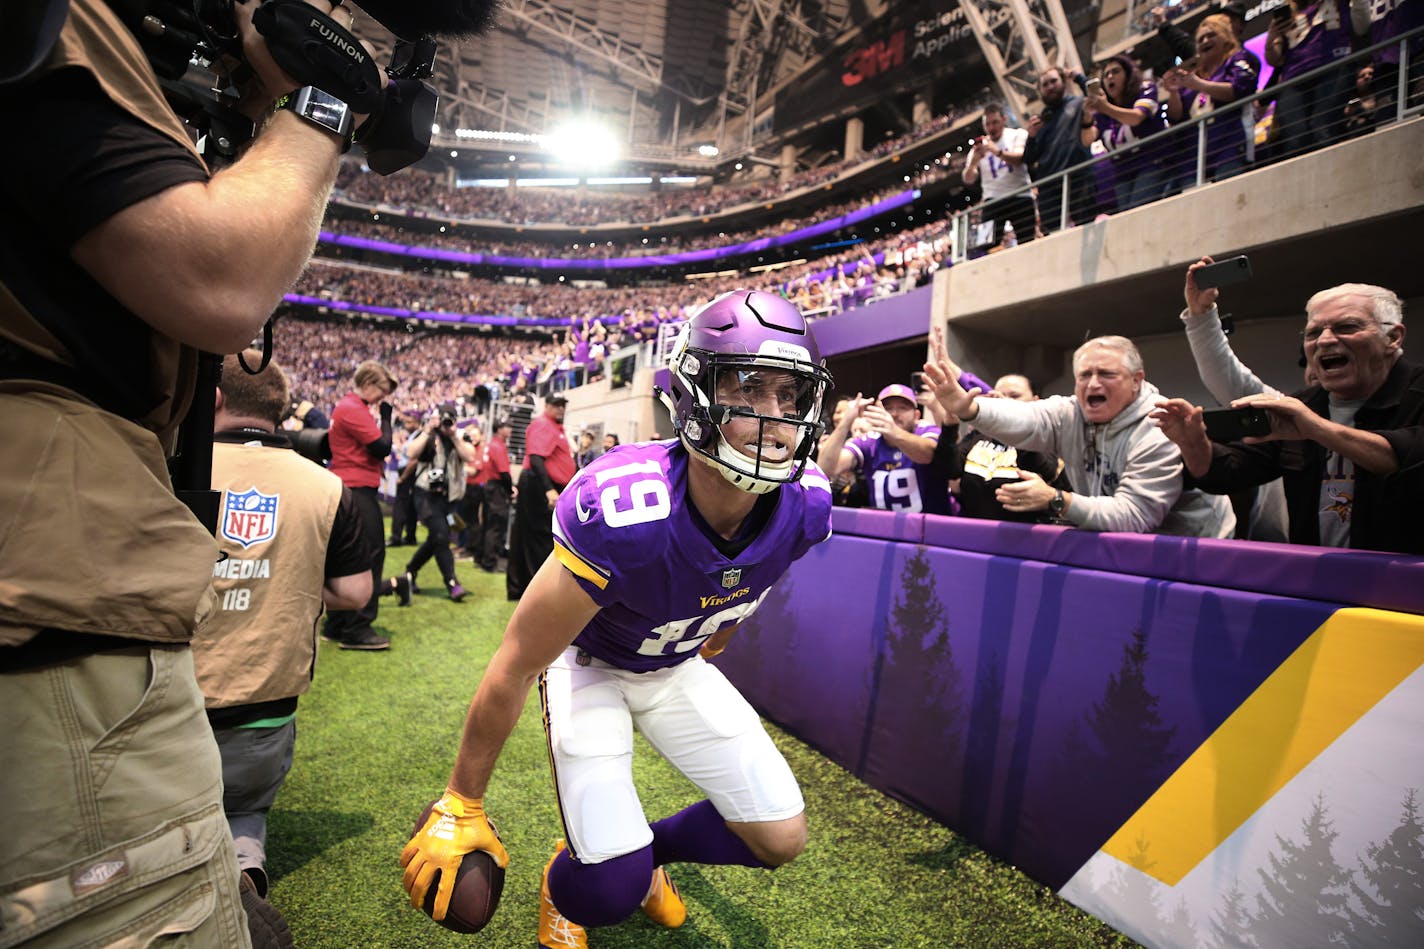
x: 698, y: 834
x: 600, y: 894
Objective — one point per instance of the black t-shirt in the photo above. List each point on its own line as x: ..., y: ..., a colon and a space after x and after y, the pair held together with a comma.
x: 91, y: 160
x: 977, y: 453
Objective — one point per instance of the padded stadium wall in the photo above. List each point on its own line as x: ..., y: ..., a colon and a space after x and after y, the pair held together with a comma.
x: 1181, y: 736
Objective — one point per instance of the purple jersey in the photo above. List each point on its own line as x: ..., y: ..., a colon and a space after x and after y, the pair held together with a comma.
x: 1391, y: 18
x: 1121, y: 138
x: 1319, y: 34
x: 623, y: 527
x: 896, y: 483
x: 1225, y: 139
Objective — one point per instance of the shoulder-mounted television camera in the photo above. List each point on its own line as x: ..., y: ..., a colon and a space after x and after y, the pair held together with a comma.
x: 311, y: 47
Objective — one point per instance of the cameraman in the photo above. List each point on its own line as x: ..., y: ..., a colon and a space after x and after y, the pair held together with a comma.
x: 121, y: 256
x: 439, y: 486
x: 292, y: 535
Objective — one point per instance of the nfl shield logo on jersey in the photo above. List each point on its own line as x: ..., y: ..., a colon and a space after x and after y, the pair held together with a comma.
x: 249, y: 517
x: 731, y: 577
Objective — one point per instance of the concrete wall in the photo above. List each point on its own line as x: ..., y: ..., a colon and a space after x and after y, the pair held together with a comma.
x: 627, y: 412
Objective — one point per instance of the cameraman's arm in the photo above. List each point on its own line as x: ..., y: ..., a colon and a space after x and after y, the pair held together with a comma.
x: 464, y: 449
x: 206, y: 262
x: 417, y: 443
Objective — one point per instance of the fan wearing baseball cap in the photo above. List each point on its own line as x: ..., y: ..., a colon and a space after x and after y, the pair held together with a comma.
x: 895, y: 456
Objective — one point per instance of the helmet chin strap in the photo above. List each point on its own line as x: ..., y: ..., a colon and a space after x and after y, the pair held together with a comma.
x: 765, y: 476
x: 726, y: 455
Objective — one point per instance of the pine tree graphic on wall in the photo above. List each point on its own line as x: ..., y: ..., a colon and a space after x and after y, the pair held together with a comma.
x: 1304, y: 892
x: 1392, y: 874
x: 1231, y: 923
x: 762, y: 639
x: 1122, y: 735
x: 920, y: 686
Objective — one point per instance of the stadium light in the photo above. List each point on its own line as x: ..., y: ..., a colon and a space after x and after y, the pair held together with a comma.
x: 707, y: 151
x: 583, y: 143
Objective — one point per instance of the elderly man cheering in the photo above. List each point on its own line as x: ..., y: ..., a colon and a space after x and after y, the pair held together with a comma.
x: 1124, y: 473
x: 1350, y: 448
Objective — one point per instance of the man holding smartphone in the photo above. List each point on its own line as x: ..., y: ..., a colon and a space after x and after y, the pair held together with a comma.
x: 1229, y: 379
x: 1349, y: 448
x: 996, y: 161
x: 1055, y: 143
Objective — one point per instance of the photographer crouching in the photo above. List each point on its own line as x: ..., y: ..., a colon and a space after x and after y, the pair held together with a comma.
x: 122, y: 256
x: 439, y: 486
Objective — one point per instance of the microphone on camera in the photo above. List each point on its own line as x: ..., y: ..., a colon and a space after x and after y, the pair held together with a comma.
x: 413, y: 19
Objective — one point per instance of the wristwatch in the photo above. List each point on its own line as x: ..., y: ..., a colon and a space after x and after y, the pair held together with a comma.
x: 1056, y: 504
x: 323, y: 110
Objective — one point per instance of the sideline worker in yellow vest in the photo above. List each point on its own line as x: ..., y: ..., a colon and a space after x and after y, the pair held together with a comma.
x: 293, y: 542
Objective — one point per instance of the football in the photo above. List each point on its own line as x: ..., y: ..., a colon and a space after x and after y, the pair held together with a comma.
x: 478, y: 885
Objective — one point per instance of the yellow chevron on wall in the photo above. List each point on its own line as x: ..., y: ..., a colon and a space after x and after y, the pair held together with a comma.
x: 1336, y: 676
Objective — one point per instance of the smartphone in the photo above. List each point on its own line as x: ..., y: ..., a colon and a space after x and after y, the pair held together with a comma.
x: 1283, y: 12
x: 1189, y: 64
x: 1092, y: 86
x: 1224, y: 273
x: 917, y: 381
x: 1232, y: 425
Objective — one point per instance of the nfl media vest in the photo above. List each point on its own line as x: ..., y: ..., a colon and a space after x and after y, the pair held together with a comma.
x: 274, y: 524
x: 96, y: 500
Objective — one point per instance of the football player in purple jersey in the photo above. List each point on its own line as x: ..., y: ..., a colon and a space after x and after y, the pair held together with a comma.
x: 661, y: 550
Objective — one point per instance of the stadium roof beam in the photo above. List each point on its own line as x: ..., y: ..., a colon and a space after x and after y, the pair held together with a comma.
x: 496, y: 104
x: 641, y: 69
x: 1020, y: 39
x: 768, y: 29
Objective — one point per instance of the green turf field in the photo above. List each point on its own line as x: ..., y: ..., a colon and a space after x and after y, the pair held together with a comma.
x: 376, y: 740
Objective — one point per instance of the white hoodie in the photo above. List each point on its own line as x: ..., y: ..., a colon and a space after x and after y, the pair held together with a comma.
x: 1125, y: 474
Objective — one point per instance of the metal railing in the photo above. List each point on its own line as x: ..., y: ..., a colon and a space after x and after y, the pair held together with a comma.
x: 1193, y: 152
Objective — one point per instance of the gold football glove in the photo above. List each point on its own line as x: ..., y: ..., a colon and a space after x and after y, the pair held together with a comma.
x: 457, y: 825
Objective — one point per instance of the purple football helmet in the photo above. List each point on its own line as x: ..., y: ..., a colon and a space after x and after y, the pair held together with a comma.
x: 750, y: 347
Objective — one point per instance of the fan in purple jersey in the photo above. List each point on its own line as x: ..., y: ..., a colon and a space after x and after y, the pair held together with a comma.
x: 895, y: 458
x: 661, y: 550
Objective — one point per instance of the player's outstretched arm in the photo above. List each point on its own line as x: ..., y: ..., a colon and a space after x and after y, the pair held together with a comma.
x: 553, y: 610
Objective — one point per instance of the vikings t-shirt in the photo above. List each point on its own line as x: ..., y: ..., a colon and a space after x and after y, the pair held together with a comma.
x: 896, y: 482
x: 625, y: 529
x: 1337, y: 487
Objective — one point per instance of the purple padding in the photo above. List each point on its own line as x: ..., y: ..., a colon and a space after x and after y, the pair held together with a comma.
x: 882, y: 525
x: 1032, y: 707
x: 1353, y: 577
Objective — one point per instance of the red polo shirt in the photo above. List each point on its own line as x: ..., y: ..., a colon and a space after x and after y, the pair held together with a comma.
x: 495, y: 461
x: 352, y: 429
x: 546, y: 437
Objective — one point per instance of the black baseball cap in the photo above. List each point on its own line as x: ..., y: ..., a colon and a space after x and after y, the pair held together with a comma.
x: 556, y: 400
x: 1234, y: 9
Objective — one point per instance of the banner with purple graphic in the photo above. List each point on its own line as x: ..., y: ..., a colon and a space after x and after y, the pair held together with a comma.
x: 1045, y: 709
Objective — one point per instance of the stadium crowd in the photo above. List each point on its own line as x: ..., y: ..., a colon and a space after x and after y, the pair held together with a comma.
x: 830, y: 284
x: 496, y: 243
x: 429, y: 196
